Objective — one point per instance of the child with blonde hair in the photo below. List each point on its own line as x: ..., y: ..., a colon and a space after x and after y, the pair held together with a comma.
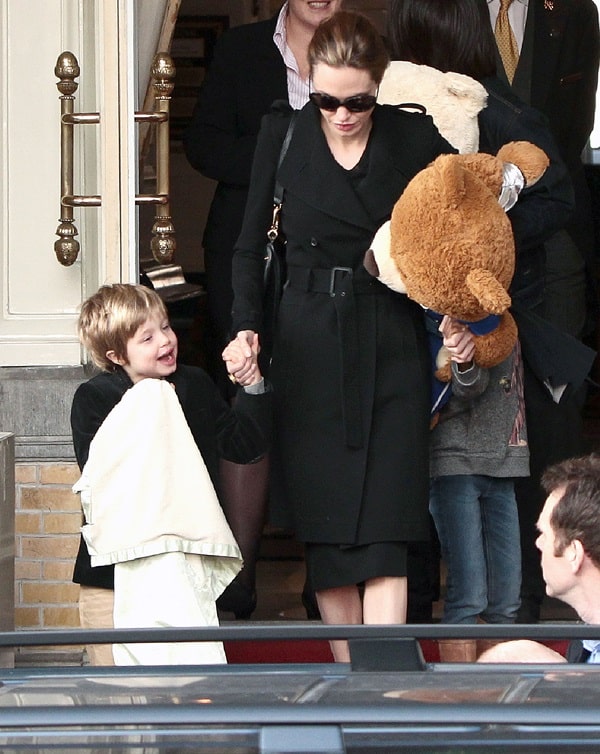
x: 156, y: 549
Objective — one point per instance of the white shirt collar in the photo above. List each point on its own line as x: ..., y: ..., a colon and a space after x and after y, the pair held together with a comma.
x: 593, y: 647
x: 280, y: 26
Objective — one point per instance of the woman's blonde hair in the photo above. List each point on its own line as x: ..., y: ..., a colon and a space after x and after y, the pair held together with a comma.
x: 111, y: 317
x: 349, y: 39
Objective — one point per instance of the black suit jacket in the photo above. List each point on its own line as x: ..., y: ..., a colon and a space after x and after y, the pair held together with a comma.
x: 246, y: 75
x: 557, y: 74
x: 558, y: 70
x: 576, y: 652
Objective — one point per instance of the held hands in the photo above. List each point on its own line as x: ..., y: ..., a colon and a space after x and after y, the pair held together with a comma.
x: 240, y: 358
x: 459, y: 341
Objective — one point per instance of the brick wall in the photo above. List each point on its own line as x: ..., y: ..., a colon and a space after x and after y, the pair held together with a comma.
x: 47, y: 521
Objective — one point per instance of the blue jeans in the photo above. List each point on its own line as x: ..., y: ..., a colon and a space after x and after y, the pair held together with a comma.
x: 478, y: 527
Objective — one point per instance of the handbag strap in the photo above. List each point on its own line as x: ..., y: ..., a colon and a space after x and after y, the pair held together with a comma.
x: 278, y: 191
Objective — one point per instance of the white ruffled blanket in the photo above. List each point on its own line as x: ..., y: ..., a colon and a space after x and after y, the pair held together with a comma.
x: 151, y: 509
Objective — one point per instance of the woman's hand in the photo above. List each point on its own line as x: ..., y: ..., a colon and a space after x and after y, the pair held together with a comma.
x: 241, y: 358
x: 459, y: 341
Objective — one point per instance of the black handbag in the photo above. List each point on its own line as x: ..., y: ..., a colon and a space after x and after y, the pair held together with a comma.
x: 274, y: 274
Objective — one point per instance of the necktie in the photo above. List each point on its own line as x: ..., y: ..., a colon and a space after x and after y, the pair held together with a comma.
x: 505, y: 38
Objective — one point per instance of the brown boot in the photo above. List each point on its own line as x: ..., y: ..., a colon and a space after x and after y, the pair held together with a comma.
x: 457, y: 650
x: 484, y: 644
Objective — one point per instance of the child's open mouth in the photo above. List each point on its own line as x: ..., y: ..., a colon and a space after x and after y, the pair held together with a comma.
x: 168, y: 358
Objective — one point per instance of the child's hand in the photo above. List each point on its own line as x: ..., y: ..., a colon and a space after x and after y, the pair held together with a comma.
x: 458, y: 339
x: 240, y: 358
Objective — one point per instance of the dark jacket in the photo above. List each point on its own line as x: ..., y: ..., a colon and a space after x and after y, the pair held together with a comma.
x: 240, y: 434
x: 558, y: 70
x: 246, y: 76
x: 558, y: 74
x: 350, y: 365
x: 576, y: 652
x: 542, y: 209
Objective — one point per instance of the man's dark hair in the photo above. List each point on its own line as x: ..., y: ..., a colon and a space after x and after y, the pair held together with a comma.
x: 577, y: 513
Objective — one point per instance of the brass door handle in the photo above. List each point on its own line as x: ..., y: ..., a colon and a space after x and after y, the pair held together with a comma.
x: 163, y: 242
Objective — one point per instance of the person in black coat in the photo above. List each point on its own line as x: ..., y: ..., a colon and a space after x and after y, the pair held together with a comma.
x: 557, y: 73
x: 455, y: 35
x: 253, y: 65
x: 127, y: 333
x: 350, y: 363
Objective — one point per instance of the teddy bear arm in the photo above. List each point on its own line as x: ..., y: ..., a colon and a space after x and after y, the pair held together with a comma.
x: 444, y: 373
x: 531, y: 160
x: 496, y: 346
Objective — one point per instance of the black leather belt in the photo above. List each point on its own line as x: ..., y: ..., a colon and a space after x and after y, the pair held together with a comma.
x: 333, y: 280
x: 342, y: 284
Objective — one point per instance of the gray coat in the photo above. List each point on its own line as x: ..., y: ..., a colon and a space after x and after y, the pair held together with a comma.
x: 482, y: 428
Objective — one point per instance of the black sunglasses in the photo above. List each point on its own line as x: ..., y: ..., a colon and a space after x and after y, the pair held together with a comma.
x: 359, y: 103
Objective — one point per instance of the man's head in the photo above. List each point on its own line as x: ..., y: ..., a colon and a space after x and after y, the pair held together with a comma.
x: 569, y: 524
x: 312, y: 12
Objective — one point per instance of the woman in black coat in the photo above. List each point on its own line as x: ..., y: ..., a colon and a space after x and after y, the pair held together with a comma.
x: 253, y: 65
x: 350, y: 363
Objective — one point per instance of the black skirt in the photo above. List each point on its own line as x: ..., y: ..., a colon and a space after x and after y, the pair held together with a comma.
x: 329, y: 566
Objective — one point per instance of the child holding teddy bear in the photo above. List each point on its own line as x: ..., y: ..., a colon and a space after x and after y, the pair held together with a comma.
x: 478, y: 447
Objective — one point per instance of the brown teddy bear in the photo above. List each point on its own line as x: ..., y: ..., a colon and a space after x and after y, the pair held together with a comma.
x: 449, y: 244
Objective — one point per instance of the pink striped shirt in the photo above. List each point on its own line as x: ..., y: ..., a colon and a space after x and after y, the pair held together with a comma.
x: 298, y: 88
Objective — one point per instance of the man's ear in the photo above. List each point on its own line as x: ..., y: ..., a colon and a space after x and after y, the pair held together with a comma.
x: 576, y: 555
x: 112, y: 356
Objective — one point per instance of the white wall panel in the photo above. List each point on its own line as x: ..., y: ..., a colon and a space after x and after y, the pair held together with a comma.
x: 38, y: 296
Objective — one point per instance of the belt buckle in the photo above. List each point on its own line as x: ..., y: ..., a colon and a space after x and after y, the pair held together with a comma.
x: 332, y: 273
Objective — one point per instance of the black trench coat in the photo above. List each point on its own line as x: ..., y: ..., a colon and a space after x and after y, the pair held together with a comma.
x: 350, y: 371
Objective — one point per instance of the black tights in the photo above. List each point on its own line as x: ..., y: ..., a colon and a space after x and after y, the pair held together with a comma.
x: 244, y: 498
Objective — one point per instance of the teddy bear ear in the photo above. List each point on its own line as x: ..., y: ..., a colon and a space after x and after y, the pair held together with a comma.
x: 492, y: 296
x: 451, y: 180
x: 471, y: 94
x: 379, y: 262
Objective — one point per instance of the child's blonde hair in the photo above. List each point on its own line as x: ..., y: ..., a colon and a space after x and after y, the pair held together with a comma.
x: 111, y: 317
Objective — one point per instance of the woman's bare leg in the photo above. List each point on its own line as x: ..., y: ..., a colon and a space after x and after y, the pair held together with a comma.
x: 340, y: 606
x: 385, y: 600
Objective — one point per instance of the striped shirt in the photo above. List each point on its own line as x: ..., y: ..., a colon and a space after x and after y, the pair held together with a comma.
x: 298, y: 88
